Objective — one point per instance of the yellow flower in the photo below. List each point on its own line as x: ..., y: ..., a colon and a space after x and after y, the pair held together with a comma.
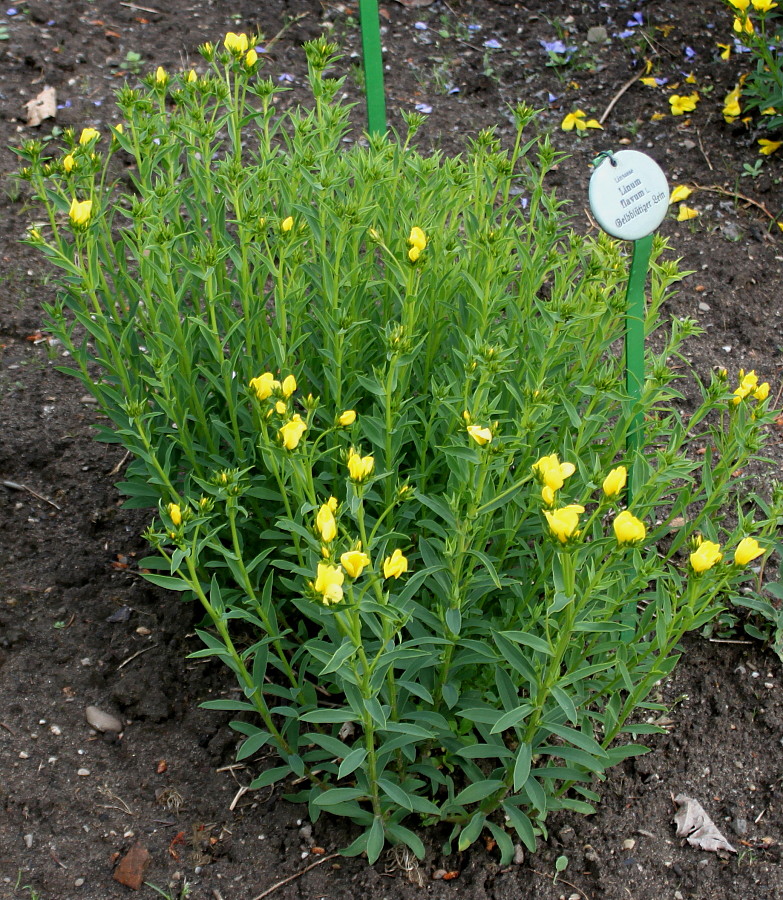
x: 747, y: 550
x: 480, y: 435
x: 681, y: 104
x: 768, y: 147
x: 763, y: 6
x: 291, y: 433
x: 332, y: 503
x: 87, y: 135
x: 649, y: 82
x: 547, y: 496
x: 615, y: 481
x: 552, y: 472
x: 725, y: 50
x: 287, y: 224
x: 748, y: 384
x: 329, y: 583
x: 576, y: 119
x: 326, y: 524
x: 741, y: 5
x: 354, y: 562
x: 762, y: 391
x: 563, y: 522
x: 161, y: 77
x: 69, y: 163
x: 705, y: 556
x: 686, y: 213
x: 680, y: 192
x: 413, y: 254
x: 731, y: 105
x: 192, y: 77
x: 264, y: 385
x: 175, y: 514
x: 236, y: 43
x: 395, y: 565
x: 743, y: 24
x: 360, y: 467
x: 281, y: 407
x: 417, y: 238
x: 769, y: 111
x: 346, y: 418
x: 251, y: 58
x: 289, y: 385
x: 628, y: 529
x: 80, y: 212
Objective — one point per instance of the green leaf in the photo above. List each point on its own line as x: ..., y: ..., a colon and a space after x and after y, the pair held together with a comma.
x: 343, y: 653
x: 228, y: 704
x: 522, y: 825
x: 472, y: 831
x: 480, y: 790
x: 253, y: 744
x: 395, y: 793
x: 352, y: 762
x: 167, y: 581
x: 529, y: 640
x: 512, y: 718
x: 335, y: 795
x: 271, y: 776
x: 485, y: 751
x: 565, y: 703
x: 405, y: 836
x: 504, y: 842
x: 578, y: 738
x: 375, y: 840
x: 329, y: 715
x: 522, y: 766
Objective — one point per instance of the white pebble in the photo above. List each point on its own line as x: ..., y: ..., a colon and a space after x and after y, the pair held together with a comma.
x: 28, y: 841
x: 55, y: 729
x: 83, y: 773
x: 24, y: 755
x: 79, y: 882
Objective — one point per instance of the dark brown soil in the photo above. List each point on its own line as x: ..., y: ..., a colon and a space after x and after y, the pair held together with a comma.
x: 79, y: 626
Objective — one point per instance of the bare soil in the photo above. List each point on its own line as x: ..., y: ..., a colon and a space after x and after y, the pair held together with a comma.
x: 80, y: 627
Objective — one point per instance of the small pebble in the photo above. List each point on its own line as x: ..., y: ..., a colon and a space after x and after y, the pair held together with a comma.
x: 79, y: 882
x: 438, y: 874
x: 629, y: 844
x: 102, y: 721
x: 704, y: 307
x: 24, y: 755
x: 83, y: 773
x: 28, y: 841
x: 55, y: 729
x: 519, y: 855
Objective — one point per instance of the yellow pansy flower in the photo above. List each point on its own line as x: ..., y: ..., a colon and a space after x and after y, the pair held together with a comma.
x: 681, y: 104
x: 236, y: 43
x: 578, y: 119
x: 628, y: 529
x: 395, y: 565
x: 563, y: 522
x: 291, y: 433
x: 88, y: 134
x: 346, y: 418
x: 264, y: 385
x: 552, y: 472
x: 360, y: 467
x: 354, y: 562
x: 768, y: 147
x: 80, y: 211
x: 705, y: 556
x: 326, y: 523
x: 481, y: 436
x: 747, y: 550
x: 615, y: 481
x: 329, y: 583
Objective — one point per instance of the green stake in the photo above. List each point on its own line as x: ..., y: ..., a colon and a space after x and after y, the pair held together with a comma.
x: 634, y: 340
x: 373, y: 66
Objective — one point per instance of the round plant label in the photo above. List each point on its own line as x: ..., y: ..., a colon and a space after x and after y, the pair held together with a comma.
x: 629, y: 194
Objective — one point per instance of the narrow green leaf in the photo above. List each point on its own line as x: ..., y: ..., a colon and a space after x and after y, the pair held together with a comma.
x: 522, y: 766
x: 522, y: 825
x: 478, y: 791
x: 352, y: 762
x: 472, y: 831
x: 395, y: 793
x: 335, y: 795
x: 512, y: 718
x: 375, y: 840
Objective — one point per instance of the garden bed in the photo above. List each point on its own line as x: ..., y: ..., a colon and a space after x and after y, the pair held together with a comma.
x: 80, y: 627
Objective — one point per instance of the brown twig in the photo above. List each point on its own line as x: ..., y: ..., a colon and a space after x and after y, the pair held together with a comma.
x: 318, y: 862
x: 703, y: 151
x: 285, y: 28
x: 619, y: 94
x: 120, y: 464
x: 142, y: 8
x: 716, y: 189
x: 23, y: 487
x: 137, y: 653
x: 8, y: 728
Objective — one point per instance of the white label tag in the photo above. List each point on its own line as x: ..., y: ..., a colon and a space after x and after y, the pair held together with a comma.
x: 629, y: 195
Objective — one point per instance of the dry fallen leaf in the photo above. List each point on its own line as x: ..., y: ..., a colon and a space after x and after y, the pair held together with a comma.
x: 44, y: 106
x: 693, y: 823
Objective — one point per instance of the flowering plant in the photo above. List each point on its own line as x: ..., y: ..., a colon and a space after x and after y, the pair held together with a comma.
x: 375, y: 401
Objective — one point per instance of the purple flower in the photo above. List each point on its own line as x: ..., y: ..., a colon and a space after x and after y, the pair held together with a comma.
x: 50, y: 23
x: 453, y: 90
x: 556, y: 46
x: 625, y: 34
x: 286, y: 77
x: 739, y: 47
x: 661, y: 81
x: 552, y: 98
x: 66, y: 105
x: 260, y: 49
x: 10, y: 12
x: 636, y: 19
x: 423, y: 108
x: 689, y: 52
x: 492, y: 44
x: 474, y: 28
x: 420, y: 26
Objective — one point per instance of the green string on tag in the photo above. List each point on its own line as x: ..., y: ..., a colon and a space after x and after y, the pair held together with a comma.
x: 373, y: 66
